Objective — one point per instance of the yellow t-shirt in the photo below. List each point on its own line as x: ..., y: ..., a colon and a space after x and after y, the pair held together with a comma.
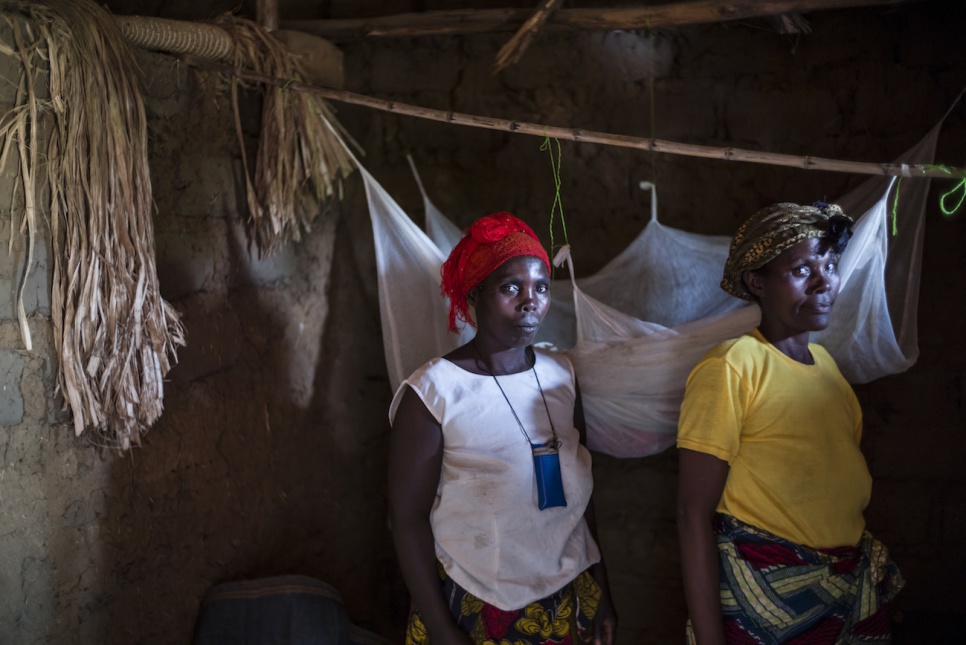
x: 790, y: 433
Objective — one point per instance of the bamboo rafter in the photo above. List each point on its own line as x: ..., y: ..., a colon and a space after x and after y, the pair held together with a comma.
x: 479, y: 21
x: 513, y: 50
x: 267, y: 14
x: 805, y: 162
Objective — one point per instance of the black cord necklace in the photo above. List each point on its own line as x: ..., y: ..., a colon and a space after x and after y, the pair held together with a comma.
x: 551, y: 446
x: 546, y: 457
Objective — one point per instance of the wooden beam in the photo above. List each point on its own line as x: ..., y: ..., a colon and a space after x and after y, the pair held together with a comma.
x: 267, y: 14
x: 513, y: 50
x: 476, y: 21
x: 577, y: 135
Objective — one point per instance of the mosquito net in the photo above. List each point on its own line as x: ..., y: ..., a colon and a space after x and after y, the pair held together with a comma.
x: 635, y: 329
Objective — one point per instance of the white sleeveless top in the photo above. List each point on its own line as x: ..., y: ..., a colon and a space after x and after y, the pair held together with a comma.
x: 491, y: 537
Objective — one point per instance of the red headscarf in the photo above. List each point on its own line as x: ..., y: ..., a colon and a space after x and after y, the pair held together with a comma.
x: 487, y: 243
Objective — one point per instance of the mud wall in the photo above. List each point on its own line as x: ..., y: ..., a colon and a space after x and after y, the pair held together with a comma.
x: 270, y: 456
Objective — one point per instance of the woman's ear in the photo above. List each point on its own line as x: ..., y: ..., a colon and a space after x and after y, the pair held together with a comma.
x: 471, y: 296
x: 753, y: 280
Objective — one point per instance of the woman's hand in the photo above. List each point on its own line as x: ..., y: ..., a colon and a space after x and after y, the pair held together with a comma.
x: 605, y: 622
x: 701, y: 480
x: 415, y: 458
x: 451, y: 635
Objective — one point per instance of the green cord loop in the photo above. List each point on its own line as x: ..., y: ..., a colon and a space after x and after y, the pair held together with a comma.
x: 960, y: 187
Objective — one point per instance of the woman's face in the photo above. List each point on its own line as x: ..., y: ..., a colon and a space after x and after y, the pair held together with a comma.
x: 797, y: 289
x: 512, y: 301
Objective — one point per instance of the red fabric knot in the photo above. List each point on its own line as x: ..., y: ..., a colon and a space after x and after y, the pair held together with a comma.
x: 492, y: 228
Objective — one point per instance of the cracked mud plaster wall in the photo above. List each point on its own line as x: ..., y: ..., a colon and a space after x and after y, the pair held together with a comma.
x: 270, y: 456
x: 254, y: 469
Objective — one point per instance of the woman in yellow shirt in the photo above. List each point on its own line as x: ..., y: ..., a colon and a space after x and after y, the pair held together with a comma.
x: 772, y: 484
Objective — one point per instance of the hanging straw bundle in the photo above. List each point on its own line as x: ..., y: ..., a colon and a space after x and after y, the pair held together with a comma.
x: 299, y: 144
x: 115, y: 336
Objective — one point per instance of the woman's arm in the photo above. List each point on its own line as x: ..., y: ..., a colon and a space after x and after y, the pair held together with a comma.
x: 605, y: 622
x: 701, y: 480
x: 415, y: 459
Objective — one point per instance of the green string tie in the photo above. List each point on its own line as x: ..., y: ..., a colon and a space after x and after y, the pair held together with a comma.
x: 895, y: 213
x: 557, y: 202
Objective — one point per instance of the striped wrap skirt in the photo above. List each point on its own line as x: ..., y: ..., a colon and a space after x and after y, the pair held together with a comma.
x: 775, y: 591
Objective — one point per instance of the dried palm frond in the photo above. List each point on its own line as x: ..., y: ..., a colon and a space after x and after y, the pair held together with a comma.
x: 115, y: 336
x: 299, y: 143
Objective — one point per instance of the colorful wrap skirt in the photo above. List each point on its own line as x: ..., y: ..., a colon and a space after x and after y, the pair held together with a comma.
x: 563, y: 618
x: 776, y: 591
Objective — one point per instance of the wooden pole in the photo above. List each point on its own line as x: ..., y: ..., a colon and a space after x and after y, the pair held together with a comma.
x: 476, y: 21
x: 267, y: 14
x: 806, y: 162
x: 513, y: 50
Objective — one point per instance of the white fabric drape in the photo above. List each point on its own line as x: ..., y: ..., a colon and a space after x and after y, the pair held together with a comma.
x: 635, y: 329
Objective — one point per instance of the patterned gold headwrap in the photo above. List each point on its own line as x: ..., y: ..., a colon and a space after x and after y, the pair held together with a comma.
x: 778, y: 227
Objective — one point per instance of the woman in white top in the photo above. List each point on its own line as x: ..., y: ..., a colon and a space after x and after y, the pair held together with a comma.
x: 489, y: 481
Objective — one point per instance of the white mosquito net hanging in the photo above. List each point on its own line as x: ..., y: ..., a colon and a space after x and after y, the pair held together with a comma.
x: 635, y: 329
